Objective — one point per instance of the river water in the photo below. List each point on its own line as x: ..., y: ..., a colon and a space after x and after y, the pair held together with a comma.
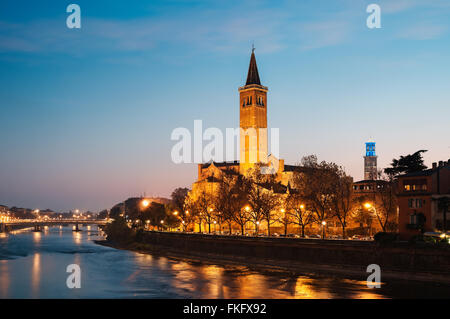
x: 33, y: 265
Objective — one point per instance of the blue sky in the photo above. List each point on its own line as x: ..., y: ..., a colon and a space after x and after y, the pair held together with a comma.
x: 86, y: 115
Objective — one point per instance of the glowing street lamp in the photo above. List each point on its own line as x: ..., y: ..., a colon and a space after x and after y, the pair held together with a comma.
x: 145, y: 203
x: 368, y: 206
x: 175, y: 213
x: 247, y: 208
x: 302, y: 206
x: 324, y: 223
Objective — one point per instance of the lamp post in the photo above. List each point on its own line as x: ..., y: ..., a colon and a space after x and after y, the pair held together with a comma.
x: 145, y: 203
x: 324, y: 223
x: 369, y: 206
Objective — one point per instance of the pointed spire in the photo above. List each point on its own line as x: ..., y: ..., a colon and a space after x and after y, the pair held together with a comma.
x: 253, y: 76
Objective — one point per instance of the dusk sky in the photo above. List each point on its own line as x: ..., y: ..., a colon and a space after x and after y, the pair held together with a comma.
x: 86, y: 114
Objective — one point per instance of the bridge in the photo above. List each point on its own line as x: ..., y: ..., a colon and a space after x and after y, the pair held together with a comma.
x: 38, y: 224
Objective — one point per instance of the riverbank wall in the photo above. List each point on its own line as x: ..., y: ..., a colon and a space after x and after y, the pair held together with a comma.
x: 337, y: 254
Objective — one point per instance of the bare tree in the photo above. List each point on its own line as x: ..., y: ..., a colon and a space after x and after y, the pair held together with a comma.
x: 315, y: 182
x: 285, y: 219
x: 228, y: 199
x: 343, y: 203
x: 386, y: 203
x: 239, y: 213
x: 204, y: 205
x: 261, y: 196
x: 192, y: 213
x: 299, y: 212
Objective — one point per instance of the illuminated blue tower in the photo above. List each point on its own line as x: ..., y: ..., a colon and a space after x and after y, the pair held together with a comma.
x: 370, y: 161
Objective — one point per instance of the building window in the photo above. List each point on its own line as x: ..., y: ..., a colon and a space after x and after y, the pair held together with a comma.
x: 415, y: 185
x: 415, y: 202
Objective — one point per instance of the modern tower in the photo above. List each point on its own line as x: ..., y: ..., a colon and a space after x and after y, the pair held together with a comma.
x: 370, y: 162
x: 253, y: 119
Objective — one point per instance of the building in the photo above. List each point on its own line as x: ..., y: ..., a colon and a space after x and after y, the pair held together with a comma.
x: 369, y: 186
x: 370, y: 162
x: 370, y: 191
x: 253, y: 139
x: 419, y: 195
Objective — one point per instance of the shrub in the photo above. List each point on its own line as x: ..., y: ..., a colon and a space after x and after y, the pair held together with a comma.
x: 119, y: 232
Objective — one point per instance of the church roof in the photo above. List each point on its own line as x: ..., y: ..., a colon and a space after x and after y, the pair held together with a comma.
x: 221, y: 164
x: 253, y: 76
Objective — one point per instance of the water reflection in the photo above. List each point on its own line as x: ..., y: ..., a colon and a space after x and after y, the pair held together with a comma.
x: 36, y: 275
x: 77, y: 237
x: 4, y: 278
x: 37, y: 237
x: 35, y: 264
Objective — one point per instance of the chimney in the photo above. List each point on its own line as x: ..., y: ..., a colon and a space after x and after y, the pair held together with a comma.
x: 434, y: 165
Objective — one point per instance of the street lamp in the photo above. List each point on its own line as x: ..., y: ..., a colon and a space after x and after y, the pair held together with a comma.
x: 324, y: 223
x: 145, y: 203
x: 368, y: 206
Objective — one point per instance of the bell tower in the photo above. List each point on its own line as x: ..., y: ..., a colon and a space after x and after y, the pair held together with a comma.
x: 253, y: 119
x: 370, y: 161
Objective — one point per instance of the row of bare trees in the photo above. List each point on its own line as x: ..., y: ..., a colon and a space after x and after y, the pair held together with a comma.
x: 320, y: 192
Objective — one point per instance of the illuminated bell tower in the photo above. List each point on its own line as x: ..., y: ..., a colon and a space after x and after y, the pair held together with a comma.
x: 253, y: 119
x: 370, y: 162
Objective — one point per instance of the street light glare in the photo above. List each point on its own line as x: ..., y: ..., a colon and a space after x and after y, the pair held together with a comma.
x: 145, y: 203
x: 367, y: 205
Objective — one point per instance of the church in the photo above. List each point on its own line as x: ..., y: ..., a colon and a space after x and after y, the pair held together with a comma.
x: 253, y: 141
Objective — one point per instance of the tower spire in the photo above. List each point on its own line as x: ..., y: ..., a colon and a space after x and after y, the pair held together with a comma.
x: 253, y: 76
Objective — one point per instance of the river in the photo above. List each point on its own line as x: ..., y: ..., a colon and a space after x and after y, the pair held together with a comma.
x: 33, y: 265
